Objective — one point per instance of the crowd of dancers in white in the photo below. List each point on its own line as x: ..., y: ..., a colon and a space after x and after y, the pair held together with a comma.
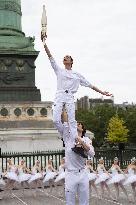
x: 101, y: 177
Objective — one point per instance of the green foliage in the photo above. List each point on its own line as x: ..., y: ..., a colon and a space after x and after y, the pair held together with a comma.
x: 117, y: 131
x: 97, y: 120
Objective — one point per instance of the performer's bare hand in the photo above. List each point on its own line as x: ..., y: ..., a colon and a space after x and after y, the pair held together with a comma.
x: 79, y: 140
x: 107, y: 93
x: 42, y: 37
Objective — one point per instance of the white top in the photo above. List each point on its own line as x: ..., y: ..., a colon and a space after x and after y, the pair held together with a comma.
x: 131, y: 171
x: 74, y: 161
x: 100, y: 169
x: 12, y: 169
x: 20, y: 170
x: 61, y: 169
x: 87, y: 169
x: 67, y: 79
x: 114, y: 170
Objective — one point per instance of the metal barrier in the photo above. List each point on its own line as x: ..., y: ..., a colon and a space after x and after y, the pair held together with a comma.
x: 30, y: 158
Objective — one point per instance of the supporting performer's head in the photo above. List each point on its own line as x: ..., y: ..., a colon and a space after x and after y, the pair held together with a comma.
x: 81, y: 128
x: 68, y: 62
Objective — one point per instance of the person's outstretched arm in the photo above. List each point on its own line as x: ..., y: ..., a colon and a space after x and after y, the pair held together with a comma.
x: 86, y: 83
x: 54, y: 65
x: 46, y: 47
x: 47, y: 51
x: 100, y: 91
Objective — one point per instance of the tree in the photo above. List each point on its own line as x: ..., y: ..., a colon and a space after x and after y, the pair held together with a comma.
x: 96, y: 120
x: 117, y: 131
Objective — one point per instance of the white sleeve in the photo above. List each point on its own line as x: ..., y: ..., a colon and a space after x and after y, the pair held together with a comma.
x: 67, y: 138
x: 54, y: 65
x: 91, y: 151
x: 84, y: 82
x: 65, y: 132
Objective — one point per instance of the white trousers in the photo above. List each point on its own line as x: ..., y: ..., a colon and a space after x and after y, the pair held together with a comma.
x: 57, y: 111
x: 77, y: 182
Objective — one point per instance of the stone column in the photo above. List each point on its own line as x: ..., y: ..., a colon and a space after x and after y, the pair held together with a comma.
x: 10, y: 17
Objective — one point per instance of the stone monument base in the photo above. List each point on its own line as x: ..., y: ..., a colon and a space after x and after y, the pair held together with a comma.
x: 29, y: 140
x: 27, y: 127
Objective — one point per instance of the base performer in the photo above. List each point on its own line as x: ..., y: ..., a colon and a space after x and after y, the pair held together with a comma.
x: 76, y: 178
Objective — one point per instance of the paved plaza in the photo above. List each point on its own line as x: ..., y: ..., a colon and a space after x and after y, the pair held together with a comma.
x: 56, y: 197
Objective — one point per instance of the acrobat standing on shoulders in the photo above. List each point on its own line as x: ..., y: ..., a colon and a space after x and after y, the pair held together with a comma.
x: 68, y: 83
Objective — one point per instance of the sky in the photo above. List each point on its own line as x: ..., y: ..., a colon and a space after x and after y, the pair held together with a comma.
x: 100, y: 35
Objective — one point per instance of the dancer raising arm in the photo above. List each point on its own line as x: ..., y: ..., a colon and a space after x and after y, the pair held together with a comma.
x: 68, y: 83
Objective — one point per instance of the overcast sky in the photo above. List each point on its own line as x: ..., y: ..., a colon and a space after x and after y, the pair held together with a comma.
x: 99, y: 34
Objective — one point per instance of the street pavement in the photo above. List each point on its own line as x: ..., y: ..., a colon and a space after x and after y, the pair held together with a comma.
x: 56, y: 197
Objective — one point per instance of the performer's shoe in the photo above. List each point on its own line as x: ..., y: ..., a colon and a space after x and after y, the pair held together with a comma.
x: 80, y: 151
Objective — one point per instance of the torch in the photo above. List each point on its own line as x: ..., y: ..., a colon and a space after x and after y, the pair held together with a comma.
x: 44, y: 25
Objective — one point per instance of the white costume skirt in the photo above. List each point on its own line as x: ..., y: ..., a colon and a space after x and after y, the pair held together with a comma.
x: 102, y: 178
x: 12, y: 176
x: 131, y: 179
x: 92, y: 176
x: 116, y: 178
x: 35, y: 177
x: 2, y: 182
x: 49, y: 176
x: 24, y: 177
x: 60, y: 177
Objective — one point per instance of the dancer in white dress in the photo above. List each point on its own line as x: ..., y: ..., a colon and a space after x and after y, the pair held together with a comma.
x: 50, y: 174
x: 61, y: 176
x: 131, y: 176
x: 36, y: 176
x: 12, y: 177
x: 61, y: 173
x: 102, y: 178
x: 23, y: 174
x: 117, y: 178
x: 91, y: 175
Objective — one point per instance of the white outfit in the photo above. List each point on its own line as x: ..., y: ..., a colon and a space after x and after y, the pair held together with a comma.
x: 12, y: 173
x: 61, y: 174
x: 22, y: 177
x: 67, y: 84
x: 35, y: 175
x: 115, y: 176
x: 131, y: 177
x: 76, y: 178
x: 102, y: 176
x: 92, y: 176
x: 49, y: 175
